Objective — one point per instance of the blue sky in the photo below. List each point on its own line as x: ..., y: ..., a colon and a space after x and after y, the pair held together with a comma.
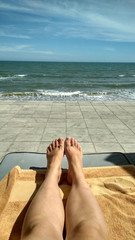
x: 67, y: 30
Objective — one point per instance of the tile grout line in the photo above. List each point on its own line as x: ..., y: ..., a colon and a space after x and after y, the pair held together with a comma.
x: 124, y: 123
x: 12, y: 142
x: 46, y: 123
x: 87, y: 130
x: 119, y: 118
x: 107, y: 126
x: 111, y: 130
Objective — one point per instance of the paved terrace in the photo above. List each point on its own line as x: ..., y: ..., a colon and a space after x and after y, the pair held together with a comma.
x: 99, y: 127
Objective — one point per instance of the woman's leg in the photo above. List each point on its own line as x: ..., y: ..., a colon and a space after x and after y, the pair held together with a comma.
x: 45, y: 216
x: 84, y: 219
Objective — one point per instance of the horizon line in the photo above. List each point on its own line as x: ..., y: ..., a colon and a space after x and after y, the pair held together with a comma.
x: 66, y: 61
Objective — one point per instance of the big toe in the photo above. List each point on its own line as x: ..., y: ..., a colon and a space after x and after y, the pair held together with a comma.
x: 61, y: 142
x: 68, y: 142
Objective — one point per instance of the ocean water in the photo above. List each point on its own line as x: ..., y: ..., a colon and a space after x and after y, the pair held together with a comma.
x: 61, y: 81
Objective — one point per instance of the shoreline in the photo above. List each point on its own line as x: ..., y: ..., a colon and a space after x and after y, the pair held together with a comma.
x: 30, y: 126
x: 68, y: 101
x: 71, y: 96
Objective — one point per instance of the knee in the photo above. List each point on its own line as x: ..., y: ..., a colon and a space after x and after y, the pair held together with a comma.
x: 87, y: 230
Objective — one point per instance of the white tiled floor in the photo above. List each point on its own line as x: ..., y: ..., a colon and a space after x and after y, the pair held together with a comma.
x: 99, y: 127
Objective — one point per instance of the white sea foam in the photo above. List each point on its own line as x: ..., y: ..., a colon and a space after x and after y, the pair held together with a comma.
x: 58, y: 93
x: 121, y: 75
x: 20, y: 75
x: 52, y: 95
x: 13, y: 77
x: 3, y: 78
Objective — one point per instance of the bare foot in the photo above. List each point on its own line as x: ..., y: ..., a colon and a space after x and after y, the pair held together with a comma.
x: 73, y: 153
x: 55, y: 153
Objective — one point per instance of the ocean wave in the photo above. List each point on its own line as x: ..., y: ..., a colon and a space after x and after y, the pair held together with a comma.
x: 39, y: 94
x: 84, y: 76
x: 121, y: 75
x: 42, y: 95
x: 20, y: 75
x: 126, y: 75
x: 3, y: 77
x: 51, y: 93
x: 58, y: 93
x: 120, y: 85
x: 67, y: 76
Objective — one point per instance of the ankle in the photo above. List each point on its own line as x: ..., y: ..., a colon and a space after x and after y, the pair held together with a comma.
x: 78, y: 180
x: 53, y: 172
x: 76, y: 170
x: 77, y: 177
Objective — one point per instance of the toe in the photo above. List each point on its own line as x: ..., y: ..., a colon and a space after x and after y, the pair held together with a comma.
x: 76, y: 143
x: 49, y: 149
x: 53, y: 144
x: 61, y: 142
x: 80, y: 149
x: 72, y: 142
x: 56, y: 143
x: 67, y: 142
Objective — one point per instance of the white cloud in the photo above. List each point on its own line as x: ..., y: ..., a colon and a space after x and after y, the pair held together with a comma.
x: 23, y: 48
x: 110, y: 49
x: 42, y: 52
x: 13, y: 7
x: 13, y: 48
x: 87, y: 20
x: 91, y: 19
x: 12, y: 35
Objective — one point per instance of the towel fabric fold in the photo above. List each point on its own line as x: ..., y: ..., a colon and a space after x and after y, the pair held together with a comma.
x: 113, y: 187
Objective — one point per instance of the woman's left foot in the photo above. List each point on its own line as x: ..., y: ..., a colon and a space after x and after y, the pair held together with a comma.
x: 55, y: 153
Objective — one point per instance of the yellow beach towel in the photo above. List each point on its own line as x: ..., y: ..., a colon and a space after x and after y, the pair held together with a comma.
x: 113, y: 187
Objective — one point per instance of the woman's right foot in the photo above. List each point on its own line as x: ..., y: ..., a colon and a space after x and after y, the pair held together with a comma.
x: 73, y: 153
x: 55, y: 153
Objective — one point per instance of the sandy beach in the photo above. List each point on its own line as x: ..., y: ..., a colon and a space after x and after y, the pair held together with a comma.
x: 30, y: 126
